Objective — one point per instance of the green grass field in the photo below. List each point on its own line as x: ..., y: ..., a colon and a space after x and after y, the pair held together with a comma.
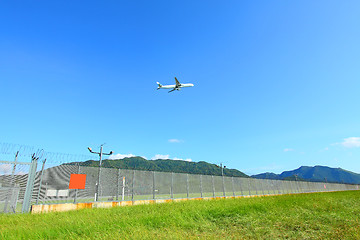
x: 332, y: 215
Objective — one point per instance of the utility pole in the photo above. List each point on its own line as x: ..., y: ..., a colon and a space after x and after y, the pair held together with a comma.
x: 222, y: 176
x: 98, y: 182
x: 222, y: 169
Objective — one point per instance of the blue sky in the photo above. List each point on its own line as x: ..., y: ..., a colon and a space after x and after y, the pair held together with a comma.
x: 276, y: 82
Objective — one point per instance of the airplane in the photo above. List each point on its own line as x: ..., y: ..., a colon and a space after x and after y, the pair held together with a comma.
x: 177, y: 86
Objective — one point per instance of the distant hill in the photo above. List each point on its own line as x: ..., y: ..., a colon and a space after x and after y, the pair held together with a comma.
x: 168, y: 165
x: 315, y: 174
x: 267, y: 175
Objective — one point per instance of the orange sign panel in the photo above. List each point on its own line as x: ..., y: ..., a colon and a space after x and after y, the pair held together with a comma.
x: 77, y: 181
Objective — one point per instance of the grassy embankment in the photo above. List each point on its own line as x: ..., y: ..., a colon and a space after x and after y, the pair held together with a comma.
x: 306, y: 216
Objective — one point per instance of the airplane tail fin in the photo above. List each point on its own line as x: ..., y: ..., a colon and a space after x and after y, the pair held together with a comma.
x: 159, y: 85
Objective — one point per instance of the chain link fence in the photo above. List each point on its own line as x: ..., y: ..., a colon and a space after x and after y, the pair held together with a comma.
x: 23, y: 184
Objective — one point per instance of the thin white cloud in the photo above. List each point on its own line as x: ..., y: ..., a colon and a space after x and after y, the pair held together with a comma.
x: 325, y: 149
x: 121, y: 156
x: 187, y: 159
x: 167, y: 156
x: 174, y: 140
x: 157, y: 156
x: 160, y: 156
x: 288, y: 150
x: 351, y: 142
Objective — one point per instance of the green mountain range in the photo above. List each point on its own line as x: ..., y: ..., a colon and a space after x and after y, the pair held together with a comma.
x: 304, y: 173
x: 315, y: 174
x: 165, y: 165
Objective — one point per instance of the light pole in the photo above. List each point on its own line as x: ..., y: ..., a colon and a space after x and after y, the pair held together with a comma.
x: 100, y: 155
x: 222, y: 169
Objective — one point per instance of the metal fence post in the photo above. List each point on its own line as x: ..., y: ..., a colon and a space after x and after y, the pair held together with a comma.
x: 241, y: 190
x: 29, y: 185
x: 201, y: 187
x: 223, y: 185
x: 123, y: 189
x: 153, y: 178
x: 309, y: 187
x: 232, y: 183
x: 268, y: 185
x: 9, y: 194
x: 300, y: 186
x: 41, y: 175
x: 96, y: 191
x: 297, y: 186
x: 282, y: 187
x: 262, y: 186
x: 132, y: 186
x: 76, y: 190
x: 13, y: 171
x: 118, y: 185
x: 213, y: 185
x: 291, y: 187
x: 46, y: 189
x: 278, y: 186
x: 285, y: 186
x: 249, y: 187
x: 172, y: 186
x: 187, y: 185
x: 255, y: 187
x: 288, y: 186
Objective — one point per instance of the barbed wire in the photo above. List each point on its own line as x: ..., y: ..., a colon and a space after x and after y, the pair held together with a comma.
x: 10, y: 148
x: 66, y: 157
x: 29, y: 151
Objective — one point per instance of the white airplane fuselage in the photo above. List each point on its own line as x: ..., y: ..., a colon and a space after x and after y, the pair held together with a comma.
x: 173, y: 86
x: 177, y: 86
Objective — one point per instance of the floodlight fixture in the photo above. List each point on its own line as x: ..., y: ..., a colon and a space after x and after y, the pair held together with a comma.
x: 101, y: 153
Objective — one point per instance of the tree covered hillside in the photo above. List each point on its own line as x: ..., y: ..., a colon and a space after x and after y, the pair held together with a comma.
x: 165, y: 165
x: 316, y: 174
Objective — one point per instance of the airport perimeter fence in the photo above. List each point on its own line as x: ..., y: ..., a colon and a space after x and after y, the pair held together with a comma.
x: 23, y: 184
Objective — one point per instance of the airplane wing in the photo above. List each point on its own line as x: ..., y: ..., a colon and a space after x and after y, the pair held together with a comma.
x: 177, y: 82
x: 172, y: 89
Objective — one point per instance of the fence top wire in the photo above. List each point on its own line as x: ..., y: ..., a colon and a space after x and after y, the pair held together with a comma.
x: 25, y: 152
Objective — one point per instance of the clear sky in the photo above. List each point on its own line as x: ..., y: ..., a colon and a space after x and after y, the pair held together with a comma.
x: 276, y: 82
